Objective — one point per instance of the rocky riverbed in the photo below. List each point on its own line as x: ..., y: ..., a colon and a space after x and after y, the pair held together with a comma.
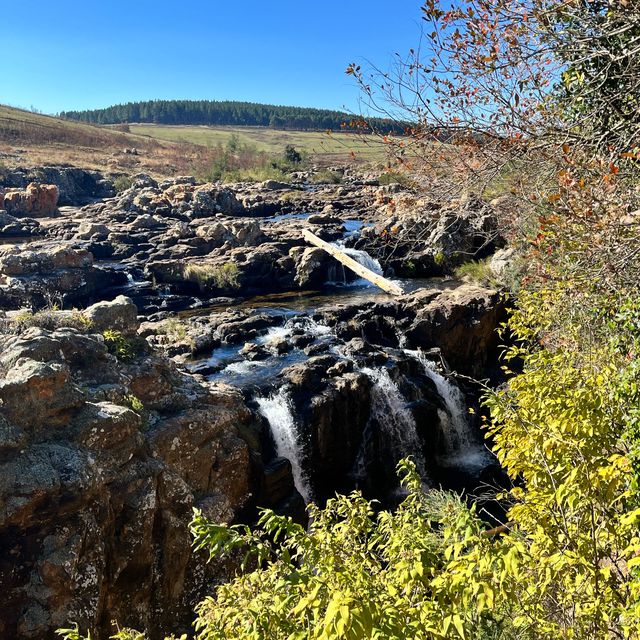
x: 179, y: 344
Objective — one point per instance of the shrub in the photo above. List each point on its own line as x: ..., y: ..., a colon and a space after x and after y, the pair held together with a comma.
x: 119, y: 346
x: 122, y: 183
x: 292, y: 155
x: 325, y: 176
x: 50, y: 318
x: 478, y: 271
x: 224, y: 276
x: 134, y: 403
x: 395, y: 177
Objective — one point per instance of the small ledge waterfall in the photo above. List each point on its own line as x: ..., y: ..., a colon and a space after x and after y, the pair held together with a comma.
x: 389, y: 409
x: 338, y: 273
x: 462, y: 446
x: 277, y: 409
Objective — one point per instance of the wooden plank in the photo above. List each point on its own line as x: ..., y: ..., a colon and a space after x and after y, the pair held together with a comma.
x: 354, y: 265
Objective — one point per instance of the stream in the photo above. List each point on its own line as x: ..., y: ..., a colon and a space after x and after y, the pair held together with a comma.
x: 397, y: 389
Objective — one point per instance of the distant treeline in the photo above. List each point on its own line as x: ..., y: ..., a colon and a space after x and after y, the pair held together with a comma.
x: 248, y: 114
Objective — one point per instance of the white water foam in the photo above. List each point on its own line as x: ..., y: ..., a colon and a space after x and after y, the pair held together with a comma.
x: 389, y: 409
x: 462, y: 445
x: 278, y: 411
x: 307, y: 324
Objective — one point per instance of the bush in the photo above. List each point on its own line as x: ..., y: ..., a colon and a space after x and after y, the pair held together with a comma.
x: 238, y: 161
x: 395, y: 177
x: 325, y: 176
x: 477, y: 271
x: 292, y: 155
x: 122, y: 183
x: 224, y: 276
x: 50, y: 318
x: 118, y: 345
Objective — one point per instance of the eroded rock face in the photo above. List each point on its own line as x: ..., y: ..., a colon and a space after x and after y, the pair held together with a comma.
x: 35, y: 201
x: 75, y: 186
x: 60, y: 275
x: 425, y: 238
x: 101, y: 463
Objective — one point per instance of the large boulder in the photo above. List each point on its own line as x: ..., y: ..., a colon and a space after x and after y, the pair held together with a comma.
x: 35, y: 201
x: 12, y: 227
x: 119, y: 314
x: 462, y: 323
x: 60, y: 275
x: 75, y: 186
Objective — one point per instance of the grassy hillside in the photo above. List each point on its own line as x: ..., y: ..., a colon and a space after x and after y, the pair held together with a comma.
x: 28, y: 138
x: 318, y: 144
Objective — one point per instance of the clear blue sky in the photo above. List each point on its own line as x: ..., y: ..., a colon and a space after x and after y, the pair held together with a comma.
x: 77, y: 54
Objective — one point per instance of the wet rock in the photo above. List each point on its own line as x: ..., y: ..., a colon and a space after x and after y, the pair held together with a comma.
x: 312, y: 266
x: 463, y: 323
x: 252, y: 351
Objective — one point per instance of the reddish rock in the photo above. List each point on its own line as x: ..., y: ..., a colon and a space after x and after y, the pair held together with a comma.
x: 36, y: 201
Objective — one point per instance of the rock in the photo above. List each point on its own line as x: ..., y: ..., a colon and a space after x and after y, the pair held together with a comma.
x: 252, y: 351
x: 35, y: 392
x: 147, y: 222
x: 501, y: 262
x: 463, y: 323
x: 209, y: 199
x: 92, y: 230
x: 312, y: 267
x: 96, y: 496
x: 75, y: 186
x: 120, y: 314
x: 274, y: 185
x: 323, y: 219
x: 11, y: 227
x: 64, y: 275
x: 421, y: 238
x: 36, y: 201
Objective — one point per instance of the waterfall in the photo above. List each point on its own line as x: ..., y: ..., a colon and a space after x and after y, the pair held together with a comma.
x: 461, y: 443
x: 389, y: 409
x: 363, y: 258
x: 278, y: 411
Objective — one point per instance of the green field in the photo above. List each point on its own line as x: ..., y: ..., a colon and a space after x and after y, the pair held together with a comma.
x: 316, y: 143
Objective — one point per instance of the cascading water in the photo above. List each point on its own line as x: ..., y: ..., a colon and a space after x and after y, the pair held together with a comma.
x: 462, y: 445
x: 389, y: 409
x: 337, y: 272
x: 363, y: 258
x: 278, y: 411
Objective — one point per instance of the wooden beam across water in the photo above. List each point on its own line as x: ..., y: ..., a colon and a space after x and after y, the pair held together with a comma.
x: 355, y: 266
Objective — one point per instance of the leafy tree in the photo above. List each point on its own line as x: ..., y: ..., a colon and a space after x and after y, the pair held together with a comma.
x: 292, y: 155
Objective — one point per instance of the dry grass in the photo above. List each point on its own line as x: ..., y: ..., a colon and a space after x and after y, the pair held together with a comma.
x: 33, y: 139
x: 318, y: 145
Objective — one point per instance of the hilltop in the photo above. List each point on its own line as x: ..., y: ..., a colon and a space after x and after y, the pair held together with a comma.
x: 231, y: 113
